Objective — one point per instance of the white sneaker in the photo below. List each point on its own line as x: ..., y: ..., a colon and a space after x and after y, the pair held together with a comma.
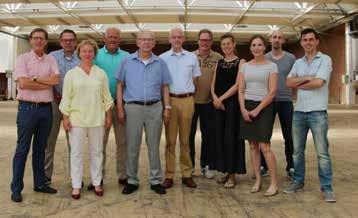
x: 207, y: 172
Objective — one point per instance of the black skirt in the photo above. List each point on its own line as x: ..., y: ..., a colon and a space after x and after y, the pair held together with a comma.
x: 260, y: 129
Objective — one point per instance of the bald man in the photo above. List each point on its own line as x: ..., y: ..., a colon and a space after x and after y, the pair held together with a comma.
x: 109, y: 58
x: 184, y: 69
x: 283, y: 101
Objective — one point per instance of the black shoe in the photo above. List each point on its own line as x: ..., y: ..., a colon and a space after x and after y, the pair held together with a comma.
x: 45, y: 189
x: 159, y: 189
x: 129, y: 188
x: 90, y: 186
x: 16, y: 197
x: 123, y: 181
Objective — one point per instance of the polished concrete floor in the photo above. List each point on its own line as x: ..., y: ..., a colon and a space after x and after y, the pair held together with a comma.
x: 208, y: 200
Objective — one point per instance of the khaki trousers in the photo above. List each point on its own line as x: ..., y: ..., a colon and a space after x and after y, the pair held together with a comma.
x: 181, y: 117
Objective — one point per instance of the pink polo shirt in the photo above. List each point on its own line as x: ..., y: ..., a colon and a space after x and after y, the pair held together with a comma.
x: 30, y: 65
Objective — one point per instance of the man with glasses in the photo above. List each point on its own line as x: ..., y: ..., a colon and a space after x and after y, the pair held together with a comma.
x: 35, y: 74
x: 66, y: 59
x: 143, y: 80
x: 208, y: 60
x: 109, y: 58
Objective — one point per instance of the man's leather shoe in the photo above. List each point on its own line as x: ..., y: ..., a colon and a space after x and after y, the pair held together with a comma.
x: 16, y: 197
x: 158, y: 188
x: 123, y: 181
x: 129, y: 188
x: 168, y: 183
x: 45, y: 189
x: 189, y: 182
x: 90, y: 186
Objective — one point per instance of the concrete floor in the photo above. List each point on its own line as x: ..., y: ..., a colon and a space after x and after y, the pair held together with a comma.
x: 208, y: 200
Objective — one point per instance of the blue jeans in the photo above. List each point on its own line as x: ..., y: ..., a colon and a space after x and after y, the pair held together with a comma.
x: 317, y: 122
x: 33, y: 121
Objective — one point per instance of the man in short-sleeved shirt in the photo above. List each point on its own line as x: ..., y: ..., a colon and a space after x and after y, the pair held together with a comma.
x: 109, y: 58
x: 35, y: 73
x: 310, y: 75
x: 184, y: 69
x: 208, y: 60
x: 143, y: 80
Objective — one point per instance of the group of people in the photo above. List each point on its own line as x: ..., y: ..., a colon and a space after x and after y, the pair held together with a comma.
x: 90, y: 89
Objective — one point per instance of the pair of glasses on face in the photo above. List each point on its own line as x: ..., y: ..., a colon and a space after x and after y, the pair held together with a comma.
x: 205, y: 40
x: 37, y: 38
x: 68, y: 40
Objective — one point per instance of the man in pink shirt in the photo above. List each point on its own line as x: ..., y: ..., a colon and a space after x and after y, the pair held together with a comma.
x: 35, y: 73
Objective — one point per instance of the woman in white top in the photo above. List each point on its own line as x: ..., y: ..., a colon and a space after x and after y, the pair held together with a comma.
x: 257, y: 88
x: 86, y: 107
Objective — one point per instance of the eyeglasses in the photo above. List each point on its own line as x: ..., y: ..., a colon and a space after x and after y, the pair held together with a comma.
x: 37, y: 38
x: 146, y: 39
x: 205, y: 40
x: 68, y: 40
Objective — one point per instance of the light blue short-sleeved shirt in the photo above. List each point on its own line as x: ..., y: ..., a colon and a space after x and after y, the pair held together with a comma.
x: 110, y: 63
x: 143, y: 81
x: 64, y: 65
x: 183, y: 67
x: 314, y: 99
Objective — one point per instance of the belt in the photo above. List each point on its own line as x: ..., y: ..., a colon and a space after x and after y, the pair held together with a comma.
x: 36, y: 104
x: 145, y: 103
x: 184, y: 95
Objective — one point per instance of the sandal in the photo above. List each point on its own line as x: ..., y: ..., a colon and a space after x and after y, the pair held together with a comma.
x: 230, y: 183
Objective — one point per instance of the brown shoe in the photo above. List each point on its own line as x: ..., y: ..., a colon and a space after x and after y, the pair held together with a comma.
x: 168, y: 183
x: 189, y: 182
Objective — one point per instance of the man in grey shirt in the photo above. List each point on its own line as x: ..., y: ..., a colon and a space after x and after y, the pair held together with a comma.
x: 283, y: 100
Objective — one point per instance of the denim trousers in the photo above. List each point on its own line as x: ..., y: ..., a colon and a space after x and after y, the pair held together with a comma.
x: 317, y: 122
x: 33, y: 126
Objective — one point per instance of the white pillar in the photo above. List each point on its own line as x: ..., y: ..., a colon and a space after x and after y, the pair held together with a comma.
x: 351, y: 66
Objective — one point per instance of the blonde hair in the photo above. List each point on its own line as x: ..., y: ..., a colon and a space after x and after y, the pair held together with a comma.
x: 90, y: 42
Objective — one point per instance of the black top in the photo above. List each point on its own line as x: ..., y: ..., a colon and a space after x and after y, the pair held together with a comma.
x: 226, y: 73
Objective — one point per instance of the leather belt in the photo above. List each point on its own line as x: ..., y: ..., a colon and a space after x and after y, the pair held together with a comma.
x: 145, y: 103
x: 36, y: 104
x: 184, y: 95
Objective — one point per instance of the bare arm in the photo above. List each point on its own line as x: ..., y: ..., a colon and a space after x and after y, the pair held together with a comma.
x: 295, y: 82
x: 52, y: 80
x: 216, y: 101
x: 27, y: 83
x: 195, y: 81
x: 241, y: 95
x: 120, y: 106
x: 166, y: 101
x: 312, y: 84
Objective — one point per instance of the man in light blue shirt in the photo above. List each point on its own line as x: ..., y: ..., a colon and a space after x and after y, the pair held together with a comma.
x: 109, y: 58
x: 66, y: 59
x: 184, y: 69
x: 310, y: 75
x: 143, y: 80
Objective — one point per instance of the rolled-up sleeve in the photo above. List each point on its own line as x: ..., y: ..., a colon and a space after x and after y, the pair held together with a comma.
x: 121, y: 72
x: 197, y: 71
x: 106, y: 95
x: 54, y: 66
x: 325, y: 69
x: 67, y: 94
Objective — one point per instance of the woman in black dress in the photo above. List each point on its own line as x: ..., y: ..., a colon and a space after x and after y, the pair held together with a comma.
x: 229, y: 150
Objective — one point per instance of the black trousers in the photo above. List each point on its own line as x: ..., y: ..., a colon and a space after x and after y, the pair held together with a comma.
x: 284, y: 109
x: 202, y: 112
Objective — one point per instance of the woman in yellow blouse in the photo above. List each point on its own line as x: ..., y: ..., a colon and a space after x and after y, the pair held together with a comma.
x: 85, y: 105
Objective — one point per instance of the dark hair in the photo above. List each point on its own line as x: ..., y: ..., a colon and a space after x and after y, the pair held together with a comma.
x: 228, y: 35
x: 39, y: 29
x: 205, y: 31
x: 258, y: 37
x: 68, y: 31
x: 309, y: 30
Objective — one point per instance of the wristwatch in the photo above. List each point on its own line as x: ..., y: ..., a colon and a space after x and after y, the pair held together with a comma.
x: 34, y: 79
x: 168, y: 106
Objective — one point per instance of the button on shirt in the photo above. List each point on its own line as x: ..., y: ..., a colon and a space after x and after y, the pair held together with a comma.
x: 30, y: 65
x: 143, y: 81
x: 64, y: 64
x: 314, y: 99
x: 86, y: 97
x: 110, y: 62
x: 183, y: 67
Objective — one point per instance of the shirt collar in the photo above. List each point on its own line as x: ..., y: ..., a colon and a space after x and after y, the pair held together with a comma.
x: 106, y: 51
x: 209, y: 56
x: 152, y: 58
x: 35, y: 57
x: 318, y: 55
x: 72, y: 56
x: 171, y: 52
